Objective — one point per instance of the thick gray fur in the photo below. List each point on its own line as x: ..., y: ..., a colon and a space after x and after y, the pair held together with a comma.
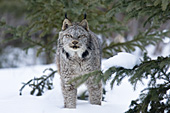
x: 78, y: 53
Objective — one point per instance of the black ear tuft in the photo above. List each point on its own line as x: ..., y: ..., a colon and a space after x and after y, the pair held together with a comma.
x: 85, y: 15
x: 66, y: 16
x: 84, y: 23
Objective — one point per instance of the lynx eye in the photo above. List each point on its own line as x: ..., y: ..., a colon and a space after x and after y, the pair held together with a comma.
x: 82, y: 36
x: 68, y: 36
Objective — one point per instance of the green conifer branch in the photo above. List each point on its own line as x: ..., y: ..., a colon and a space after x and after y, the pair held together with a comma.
x: 141, y: 40
x: 156, y: 69
x: 156, y: 11
x: 40, y: 84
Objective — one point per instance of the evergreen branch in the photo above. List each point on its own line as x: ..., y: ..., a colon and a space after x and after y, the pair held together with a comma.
x: 156, y: 97
x: 83, y: 78
x: 140, y: 41
x: 35, y: 42
x: 147, y: 68
x: 156, y: 11
x: 39, y: 84
x: 151, y: 67
x: 157, y: 93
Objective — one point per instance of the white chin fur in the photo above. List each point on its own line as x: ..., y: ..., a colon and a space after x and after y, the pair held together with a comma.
x: 72, y: 51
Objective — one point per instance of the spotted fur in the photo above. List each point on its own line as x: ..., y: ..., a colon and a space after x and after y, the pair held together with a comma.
x: 78, y: 53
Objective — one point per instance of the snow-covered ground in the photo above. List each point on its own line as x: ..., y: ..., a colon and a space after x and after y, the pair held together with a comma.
x: 116, y: 100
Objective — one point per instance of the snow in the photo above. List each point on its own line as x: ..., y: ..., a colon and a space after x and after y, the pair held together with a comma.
x: 166, y: 40
x: 116, y: 100
x: 122, y: 59
x: 16, y: 57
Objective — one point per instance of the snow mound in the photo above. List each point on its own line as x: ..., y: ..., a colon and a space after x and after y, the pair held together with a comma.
x: 122, y: 59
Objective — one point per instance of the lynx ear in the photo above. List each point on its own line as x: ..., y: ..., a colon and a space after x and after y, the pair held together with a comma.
x: 66, y: 23
x: 84, y: 23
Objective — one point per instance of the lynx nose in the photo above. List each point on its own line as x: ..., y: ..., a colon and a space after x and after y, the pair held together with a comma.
x: 74, y: 42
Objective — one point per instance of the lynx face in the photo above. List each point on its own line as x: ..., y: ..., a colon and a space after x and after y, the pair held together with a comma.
x: 75, y: 40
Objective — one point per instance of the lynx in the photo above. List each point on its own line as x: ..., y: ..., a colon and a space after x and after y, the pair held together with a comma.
x: 78, y: 53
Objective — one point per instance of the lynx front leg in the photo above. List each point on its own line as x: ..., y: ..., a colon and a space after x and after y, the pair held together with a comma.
x: 95, y: 92
x: 70, y: 95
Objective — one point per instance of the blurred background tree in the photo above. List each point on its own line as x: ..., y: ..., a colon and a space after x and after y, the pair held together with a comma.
x: 36, y: 23
x: 13, y: 12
